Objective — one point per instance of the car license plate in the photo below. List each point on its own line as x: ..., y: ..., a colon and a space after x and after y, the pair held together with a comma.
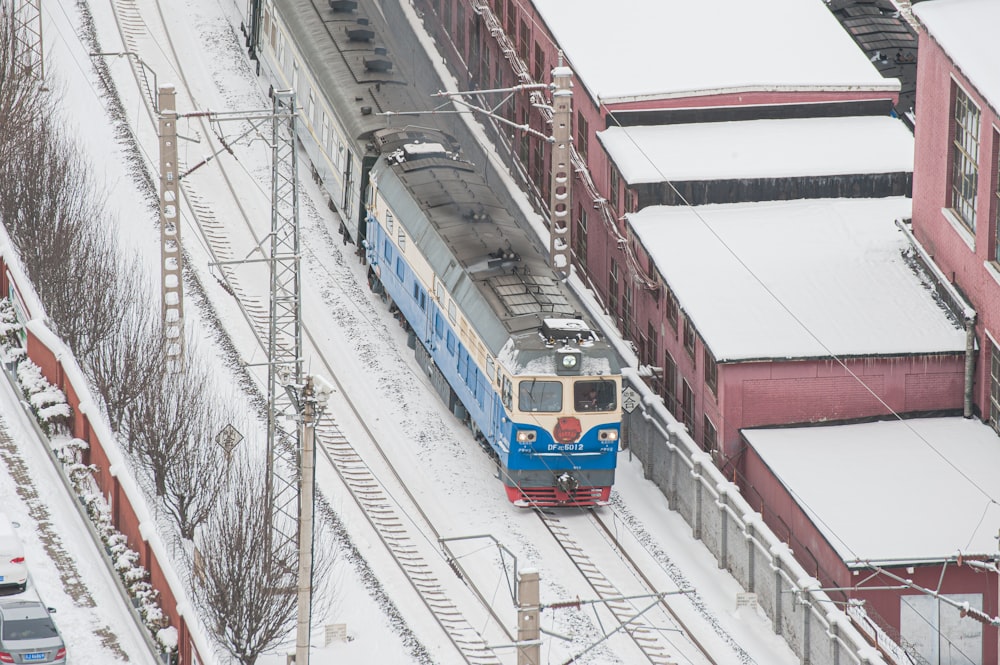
x: 31, y: 657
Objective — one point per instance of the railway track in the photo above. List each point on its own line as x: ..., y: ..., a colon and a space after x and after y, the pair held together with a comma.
x: 655, y: 634
x: 368, y: 492
x: 641, y: 612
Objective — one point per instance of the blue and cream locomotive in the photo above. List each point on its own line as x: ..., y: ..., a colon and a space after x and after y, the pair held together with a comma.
x: 536, y: 383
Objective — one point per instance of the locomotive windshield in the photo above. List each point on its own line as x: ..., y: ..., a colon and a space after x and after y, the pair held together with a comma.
x: 595, y: 395
x: 537, y: 395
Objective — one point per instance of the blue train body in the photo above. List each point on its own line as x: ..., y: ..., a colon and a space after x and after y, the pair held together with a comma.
x: 505, y: 333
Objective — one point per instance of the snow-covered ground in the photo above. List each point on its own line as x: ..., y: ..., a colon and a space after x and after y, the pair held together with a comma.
x: 437, y: 458
x: 64, y: 564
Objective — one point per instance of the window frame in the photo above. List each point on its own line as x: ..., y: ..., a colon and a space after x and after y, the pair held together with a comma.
x: 966, y: 125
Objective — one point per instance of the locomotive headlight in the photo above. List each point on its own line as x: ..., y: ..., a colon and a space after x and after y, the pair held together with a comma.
x: 568, y: 361
x: 526, y: 435
x: 607, y: 435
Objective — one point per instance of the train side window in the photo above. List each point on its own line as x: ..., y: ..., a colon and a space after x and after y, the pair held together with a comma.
x: 490, y: 371
x: 387, y: 250
x: 439, y: 290
x: 508, y: 390
x: 388, y: 221
x: 402, y: 241
x: 400, y: 270
x: 595, y: 395
x: 535, y: 395
x: 451, y: 311
x: 450, y: 343
x: 439, y: 324
x: 420, y: 296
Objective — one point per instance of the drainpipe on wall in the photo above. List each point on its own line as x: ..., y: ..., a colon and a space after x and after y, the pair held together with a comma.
x: 958, y: 306
x: 970, y: 361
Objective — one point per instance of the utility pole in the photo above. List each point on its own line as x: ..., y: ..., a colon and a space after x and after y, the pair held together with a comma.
x: 307, y: 484
x: 529, y: 645
x: 171, y: 262
x: 561, y: 183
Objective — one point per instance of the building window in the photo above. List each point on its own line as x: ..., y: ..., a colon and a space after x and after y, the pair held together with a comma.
x: 512, y: 21
x: 580, y: 238
x: 673, y: 310
x: 613, y: 289
x: 689, y: 337
x: 652, y: 351
x: 446, y: 16
x: 613, y: 187
x: 965, y: 159
x: 670, y: 383
x: 523, y: 41
x: 537, y: 169
x: 995, y: 387
x: 627, y: 310
x: 711, y: 372
x: 687, y: 406
x: 460, y: 29
x: 539, y: 63
x: 709, y: 436
x: 996, y: 194
x: 582, y: 135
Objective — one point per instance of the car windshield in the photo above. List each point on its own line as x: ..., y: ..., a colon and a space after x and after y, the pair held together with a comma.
x: 28, y: 629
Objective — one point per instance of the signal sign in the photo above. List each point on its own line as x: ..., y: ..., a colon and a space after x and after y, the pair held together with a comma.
x: 630, y: 399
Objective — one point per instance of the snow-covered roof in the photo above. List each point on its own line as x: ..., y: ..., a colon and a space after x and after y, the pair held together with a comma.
x: 636, y: 49
x: 760, y: 149
x: 914, y: 490
x: 967, y: 31
x: 797, y: 279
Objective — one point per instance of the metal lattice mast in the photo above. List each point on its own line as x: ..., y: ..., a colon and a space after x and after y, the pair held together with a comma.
x: 171, y: 263
x: 285, y: 324
x: 28, y: 55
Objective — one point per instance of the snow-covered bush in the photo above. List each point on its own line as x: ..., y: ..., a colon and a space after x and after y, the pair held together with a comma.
x: 126, y: 563
x: 11, y: 350
x: 53, y: 414
x: 47, y: 402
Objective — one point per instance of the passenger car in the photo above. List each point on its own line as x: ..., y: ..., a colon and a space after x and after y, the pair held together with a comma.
x: 28, y: 634
x: 13, y: 569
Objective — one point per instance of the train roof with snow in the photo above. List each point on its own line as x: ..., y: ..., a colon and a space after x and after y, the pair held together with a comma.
x: 494, y: 270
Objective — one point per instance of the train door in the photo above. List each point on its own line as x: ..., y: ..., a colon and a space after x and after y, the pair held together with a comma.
x: 348, y: 203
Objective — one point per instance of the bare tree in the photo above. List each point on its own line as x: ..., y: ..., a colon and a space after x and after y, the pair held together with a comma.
x: 246, y: 588
x: 123, y: 364
x: 167, y: 414
x: 194, y: 480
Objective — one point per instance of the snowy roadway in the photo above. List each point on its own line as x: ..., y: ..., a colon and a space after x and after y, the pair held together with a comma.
x: 64, y: 564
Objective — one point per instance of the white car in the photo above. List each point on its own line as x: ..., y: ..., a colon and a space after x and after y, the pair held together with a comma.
x: 13, y: 569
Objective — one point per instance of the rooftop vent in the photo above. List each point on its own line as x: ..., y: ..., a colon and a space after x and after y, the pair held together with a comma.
x: 378, y: 64
x: 360, y: 32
